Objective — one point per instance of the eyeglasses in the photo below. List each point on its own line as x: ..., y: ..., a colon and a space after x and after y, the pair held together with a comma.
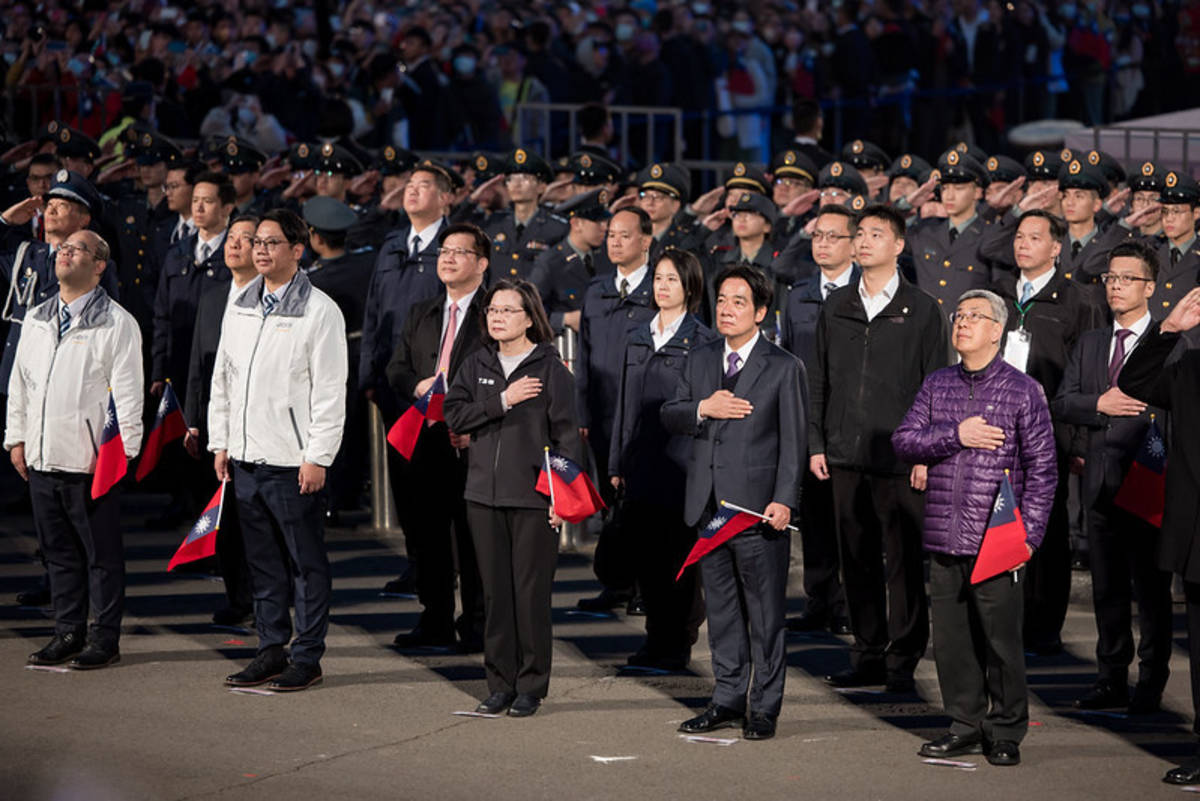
x: 792, y: 183
x: 1176, y: 211
x: 269, y: 244
x: 829, y: 236
x: 70, y: 248
x: 1121, y: 278
x: 654, y: 197
x: 503, y: 311
x: 173, y: 186
x: 970, y: 318
x: 457, y: 253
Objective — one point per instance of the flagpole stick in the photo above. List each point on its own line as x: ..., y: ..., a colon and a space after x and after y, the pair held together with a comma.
x: 220, y: 505
x: 764, y: 518
x: 1016, y: 578
x: 549, y: 476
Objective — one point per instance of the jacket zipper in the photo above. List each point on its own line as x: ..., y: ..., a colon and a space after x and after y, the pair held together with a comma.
x: 246, y: 394
x: 45, y: 395
x: 954, y: 496
x: 295, y: 428
x: 862, y: 386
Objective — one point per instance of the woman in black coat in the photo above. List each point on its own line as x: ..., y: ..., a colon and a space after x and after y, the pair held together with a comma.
x: 651, y: 464
x: 513, y: 396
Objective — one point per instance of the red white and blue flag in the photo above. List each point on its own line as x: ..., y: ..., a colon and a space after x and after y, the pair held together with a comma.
x: 1144, y: 490
x: 169, y: 426
x: 1003, y: 547
x: 428, y: 409
x: 724, y: 526
x: 201, y: 541
x: 571, y: 492
x: 110, y: 459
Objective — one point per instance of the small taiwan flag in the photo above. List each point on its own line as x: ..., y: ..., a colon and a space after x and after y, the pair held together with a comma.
x: 571, y: 492
x: 724, y: 526
x: 110, y: 458
x: 428, y: 409
x: 1144, y: 490
x: 201, y: 541
x: 1003, y: 547
x: 169, y: 426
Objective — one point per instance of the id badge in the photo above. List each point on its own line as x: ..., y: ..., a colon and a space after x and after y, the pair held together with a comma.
x: 1016, y: 348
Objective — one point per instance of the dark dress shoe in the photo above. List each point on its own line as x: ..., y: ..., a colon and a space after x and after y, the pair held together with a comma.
x: 1145, y: 701
x: 496, y: 703
x: 758, y: 727
x: 855, y: 677
x: 58, y: 650
x: 808, y: 622
x: 713, y: 718
x: 952, y: 745
x: 606, y: 601
x: 673, y: 663
x: 1004, y: 752
x: 636, y: 607
x: 40, y: 597
x: 232, y: 616
x: 267, y: 665
x: 523, y: 706
x: 1184, y: 774
x: 840, y: 625
x: 404, y: 585
x: 422, y: 638
x: 901, y: 685
x: 295, y: 677
x: 1104, y: 695
x: 95, y: 656
x: 470, y: 645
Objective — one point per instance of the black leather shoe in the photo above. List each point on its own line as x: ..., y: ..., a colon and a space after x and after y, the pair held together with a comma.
x: 232, y: 616
x: 712, y: 718
x: 523, y: 706
x: 496, y: 703
x: 1050, y: 647
x: 808, y: 622
x: 840, y: 625
x: 421, y: 638
x: 95, y: 656
x: 295, y: 677
x: 39, y: 597
x: 1184, y: 774
x: 636, y: 607
x: 267, y: 665
x: 1104, y: 695
x: 1145, y: 701
x: 58, y: 650
x: 673, y: 663
x: 952, y: 745
x: 404, y: 585
x: 856, y: 678
x: 606, y: 601
x: 758, y: 727
x: 901, y: 684
x: 1004, y: 752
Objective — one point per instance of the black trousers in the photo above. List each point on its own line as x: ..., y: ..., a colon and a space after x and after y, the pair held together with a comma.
x: 518, y: 552
x: 1124, y: 565
x: 661, y: 541
x: 81, y: 542
x: 879, y: 519
x: 439, y: 531
x: 978, y: 649
x: 818, y: 543
x: 1048, y: 582
x: 1191, y: 592
x: 284, y: 534
x: 231, y: 553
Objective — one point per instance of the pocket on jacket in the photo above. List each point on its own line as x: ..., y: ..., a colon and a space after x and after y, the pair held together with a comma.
x: 295, y: 428
x: 92, y: 437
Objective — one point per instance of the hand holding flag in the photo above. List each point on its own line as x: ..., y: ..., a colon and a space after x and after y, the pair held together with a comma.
x: 428, y: 408
x: 573, y: 497
x: 169, y: 426
x: 110, y: 458
x: 201, y: 541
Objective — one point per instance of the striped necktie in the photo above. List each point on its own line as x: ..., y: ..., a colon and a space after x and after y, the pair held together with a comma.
x: 64, y: 321
x: 269, y: 302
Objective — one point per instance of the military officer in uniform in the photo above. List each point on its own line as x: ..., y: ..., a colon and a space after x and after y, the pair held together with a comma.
x: 907, y: 173
x: 1179, y: 256
x: 242, y: 162
x: 524, y: 231
x: 751, y: 220
x: 839, y: 183
x: 745, y: 178
x: 1002, y: 171
x: 77, y: 150
x: 792, y: 174
x: 663, y: 193
x: 866, y: 157
x: 1145, y: 206
x: 562, y: 273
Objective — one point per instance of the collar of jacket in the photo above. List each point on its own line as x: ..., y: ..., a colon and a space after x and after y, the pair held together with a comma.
x: 638, y: 295
x: 685, y: 334
x: 95, y: 313
x: 853, y: 306
x: 989, y: 371
x: 542, y: 350
x: 294, y: 302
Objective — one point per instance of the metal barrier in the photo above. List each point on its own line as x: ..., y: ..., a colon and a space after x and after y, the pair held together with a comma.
x: 1169, y: 146
x: 383, y: 506
x: 572, y: 536
x: 623, y: 117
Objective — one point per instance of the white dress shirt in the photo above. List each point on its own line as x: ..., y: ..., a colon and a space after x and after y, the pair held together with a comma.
x: 840, y: 280
x: 1039, y: 283
x: 667, y: 333
x: 874, y: 305
x: 427, y: 234
x: 212, y: 245
x: 634, y: 278
x: 463, y: 303
x: 1138, y: 329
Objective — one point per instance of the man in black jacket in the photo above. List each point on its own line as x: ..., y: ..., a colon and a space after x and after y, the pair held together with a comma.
x: 438, y: 335
x: 876, y: 341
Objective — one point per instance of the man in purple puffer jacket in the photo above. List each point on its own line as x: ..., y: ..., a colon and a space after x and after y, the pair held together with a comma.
x: 970, y: 423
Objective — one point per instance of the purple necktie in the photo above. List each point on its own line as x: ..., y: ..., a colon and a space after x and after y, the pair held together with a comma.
x: 1118, y: 357
x: 734, y: 365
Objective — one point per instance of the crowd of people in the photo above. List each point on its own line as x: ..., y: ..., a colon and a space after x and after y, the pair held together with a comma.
x: 882, y: 349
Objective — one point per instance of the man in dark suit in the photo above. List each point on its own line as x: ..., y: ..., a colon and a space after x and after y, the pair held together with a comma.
x: 1162, y: 373
x: 1123, y: 546
x: 808, y: 125
x: 439, y: 334
x: 833, y: 251
x: 742, y: 398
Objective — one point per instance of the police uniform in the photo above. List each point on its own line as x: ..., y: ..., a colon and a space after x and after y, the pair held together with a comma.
x: 516, y: 245
x: 562, y: 273
x: 1178, y: 267
x: 744, y: 177
x: 792, y: 164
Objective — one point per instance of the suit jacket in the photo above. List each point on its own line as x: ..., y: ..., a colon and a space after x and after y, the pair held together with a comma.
x: 754, y: 461
x: 181, y: 283
x: 416, y: 355
x: 1112, y: 442
x: 205, y: 338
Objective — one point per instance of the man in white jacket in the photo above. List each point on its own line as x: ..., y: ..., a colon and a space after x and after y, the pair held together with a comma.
x: 74, y: 347
x: 275, y: 422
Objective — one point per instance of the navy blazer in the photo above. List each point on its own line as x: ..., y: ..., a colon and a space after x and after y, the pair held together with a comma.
x: 754, y: 461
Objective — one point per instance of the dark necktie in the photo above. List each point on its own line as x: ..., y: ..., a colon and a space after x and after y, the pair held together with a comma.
x: 589, y: 265
x: 624, y: 288
x: 64, y: 321
x: 416, y: 248
x: 829, y: 286
x: 1076, y: 246
x: 1118, y: 357
x: 269, y: 303
x: 953, y: 234
x: 520, y: 230
x: 204, y: 250
x: 1175, y: 256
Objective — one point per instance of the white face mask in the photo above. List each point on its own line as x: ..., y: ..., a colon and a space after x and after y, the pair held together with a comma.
x: 741, y: 26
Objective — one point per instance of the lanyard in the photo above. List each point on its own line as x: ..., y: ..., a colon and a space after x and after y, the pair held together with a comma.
x: 1022, y: 311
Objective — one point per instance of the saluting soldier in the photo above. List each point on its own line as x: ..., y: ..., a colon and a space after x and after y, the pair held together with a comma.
x: 242, y: 162
x: 838, y: 183
x: 1145, y: 206
x: 751, y: 220
x: 563, y: 273
x: 792, y: 174
x: 907, y: 173
x: 663, y: 193
x: 745, y: 178
x: 1179, y: 256
x: 524, y: 231
x: 1002, y: 171
x: 866, y: 157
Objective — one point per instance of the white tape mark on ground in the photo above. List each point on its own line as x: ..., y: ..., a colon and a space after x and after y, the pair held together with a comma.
x: 951, y: 763
x: 696, y: 738
x: 605, y: 760
x: 464, y: 713
x: 48, y: 668
x: 250, y: 691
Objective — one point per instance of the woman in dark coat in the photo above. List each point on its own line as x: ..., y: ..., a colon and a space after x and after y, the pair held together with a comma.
x: 651, y: 464
x: 513, y: 396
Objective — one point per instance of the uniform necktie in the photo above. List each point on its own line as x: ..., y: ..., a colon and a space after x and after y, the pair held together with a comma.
x: 520, y: 230
x: 1175, y: 256
x: 177, y: 234
x: 1118, y: 357
x: 588, y: 264
x: 443, y: 365
x: 1026, y: 292
x: 1076, y: 246
x: 624, y: 288
x: 735, y: 363
x: 953, y: 234
x: 828, y: 286
x: 269, y: 303
x: 416, y: 248
x: 64, y: 321
x: 204, y: 253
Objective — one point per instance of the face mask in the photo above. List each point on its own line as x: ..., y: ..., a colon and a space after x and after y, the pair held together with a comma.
x: 309, y: 48
x: 270, y: 40
x: 245, y: 117
x: 741, y: 25
x: 624, y: 31
x: 1140, y: 11
x: 464, y: 65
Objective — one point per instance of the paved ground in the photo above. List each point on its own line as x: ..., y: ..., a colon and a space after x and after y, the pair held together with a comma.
x: 161, y: 725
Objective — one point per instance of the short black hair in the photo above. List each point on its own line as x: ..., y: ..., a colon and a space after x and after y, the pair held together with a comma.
x: 191, y: 170
x: 1058, y: 228
x: 1136, y: 249
x: 253, y: 219
x: 838, y: 210
x: 45, y: 160
x: 592, y: 119
x: 440, y: 179
x: 644, y: 223
x: 483, y: 243
x: 762, y: 290
x: 418, y: 32
x: 334, y: 239
x: 690, y: 275
x: 293, y: 227
x: 225, y: 191
x: 805, y: 115
x: 881, y: 211
x: 531, y: 302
